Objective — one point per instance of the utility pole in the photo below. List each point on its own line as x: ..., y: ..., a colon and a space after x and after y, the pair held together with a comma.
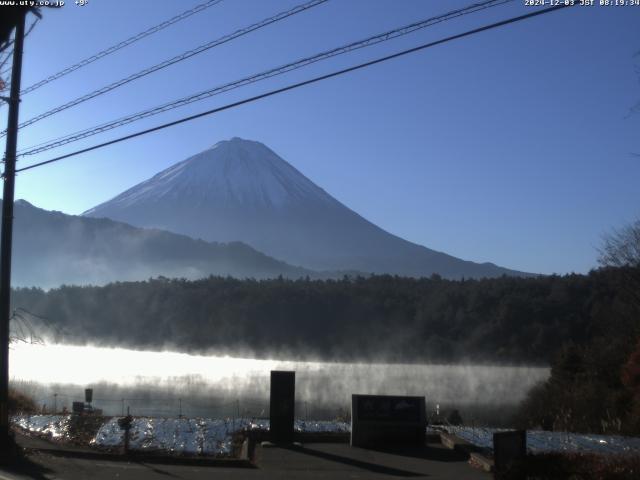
x: 7, y: 231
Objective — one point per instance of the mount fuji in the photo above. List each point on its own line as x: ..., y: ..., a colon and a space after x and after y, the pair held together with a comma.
x: 240, y: 190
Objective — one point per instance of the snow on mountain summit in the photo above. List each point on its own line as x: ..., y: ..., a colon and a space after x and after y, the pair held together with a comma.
x: 242, y: 172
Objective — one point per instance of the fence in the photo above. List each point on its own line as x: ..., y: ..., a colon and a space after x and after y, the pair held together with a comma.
x: 175, y: 406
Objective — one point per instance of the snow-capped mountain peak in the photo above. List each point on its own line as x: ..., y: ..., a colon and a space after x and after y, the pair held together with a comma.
x: 241, y: 172
x: 240, y: 190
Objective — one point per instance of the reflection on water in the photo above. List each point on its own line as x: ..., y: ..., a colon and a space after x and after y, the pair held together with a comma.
x: 174, y: 383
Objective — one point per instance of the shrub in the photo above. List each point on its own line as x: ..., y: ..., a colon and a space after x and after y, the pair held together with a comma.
x: 20, y: 403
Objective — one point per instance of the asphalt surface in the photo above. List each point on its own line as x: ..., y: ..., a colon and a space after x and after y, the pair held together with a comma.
x: 311, y: 461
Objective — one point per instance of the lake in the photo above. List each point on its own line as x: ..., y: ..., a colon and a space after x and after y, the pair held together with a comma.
x: 174, y: 383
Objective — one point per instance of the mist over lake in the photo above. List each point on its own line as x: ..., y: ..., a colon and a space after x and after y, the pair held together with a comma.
x: 163, y: 382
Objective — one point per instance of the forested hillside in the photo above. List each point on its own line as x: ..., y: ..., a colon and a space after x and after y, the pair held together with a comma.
x: 595, y: 384
x: 506, y: 320
x: 52, y: 249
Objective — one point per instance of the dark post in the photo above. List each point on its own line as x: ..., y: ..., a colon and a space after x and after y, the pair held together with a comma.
x: 127, y: 429
x: 7, y: 231
x: 281, y: 408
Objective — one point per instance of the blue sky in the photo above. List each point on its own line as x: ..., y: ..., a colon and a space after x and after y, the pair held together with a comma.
x: 514, y: 146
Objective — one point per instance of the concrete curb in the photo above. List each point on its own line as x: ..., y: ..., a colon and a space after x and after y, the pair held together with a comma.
x: 145, y: 458
x: 477, y: 460
x: 253, y: 438
x: 478, y: 457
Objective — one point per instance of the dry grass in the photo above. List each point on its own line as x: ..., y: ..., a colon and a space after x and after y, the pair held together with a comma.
x: 583, y: 466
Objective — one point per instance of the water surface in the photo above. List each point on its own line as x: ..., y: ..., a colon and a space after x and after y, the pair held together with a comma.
x: 170, y: 383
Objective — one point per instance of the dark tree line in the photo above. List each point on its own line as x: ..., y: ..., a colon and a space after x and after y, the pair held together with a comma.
x: 502, y: 320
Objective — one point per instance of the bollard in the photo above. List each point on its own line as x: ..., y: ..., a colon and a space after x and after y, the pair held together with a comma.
x: 125, y: 424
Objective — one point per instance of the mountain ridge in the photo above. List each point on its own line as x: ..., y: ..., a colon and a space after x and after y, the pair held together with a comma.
x: 52, y: 248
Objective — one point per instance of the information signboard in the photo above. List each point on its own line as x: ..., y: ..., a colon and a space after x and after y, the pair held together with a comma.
x: 379, y: 420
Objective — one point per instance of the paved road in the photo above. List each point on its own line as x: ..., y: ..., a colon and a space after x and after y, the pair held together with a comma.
x: 333, y: 460
x: 46, y: 466
x: 312, y: 461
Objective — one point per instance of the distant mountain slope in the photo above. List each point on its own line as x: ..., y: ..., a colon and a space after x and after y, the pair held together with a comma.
x: 241, y: 190
x: 51, y: 248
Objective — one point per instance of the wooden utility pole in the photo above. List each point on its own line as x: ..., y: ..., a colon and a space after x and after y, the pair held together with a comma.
x: 7, y: 231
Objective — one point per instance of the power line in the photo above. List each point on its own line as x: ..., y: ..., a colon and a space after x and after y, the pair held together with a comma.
x: 300, y: 84
x: 5, y: 60
x: 31, y: 27
x: 10, y: 55
x: 6, y: 45
x: 121, y: 45
x: 373, y: 40
x: 188, y: 54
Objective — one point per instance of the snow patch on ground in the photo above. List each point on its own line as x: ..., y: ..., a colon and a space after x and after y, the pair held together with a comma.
x: 55, y: 426
x: 184, y: 436
x: 180, y: 436
x: 539, y: 441
x: 195, y: 436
